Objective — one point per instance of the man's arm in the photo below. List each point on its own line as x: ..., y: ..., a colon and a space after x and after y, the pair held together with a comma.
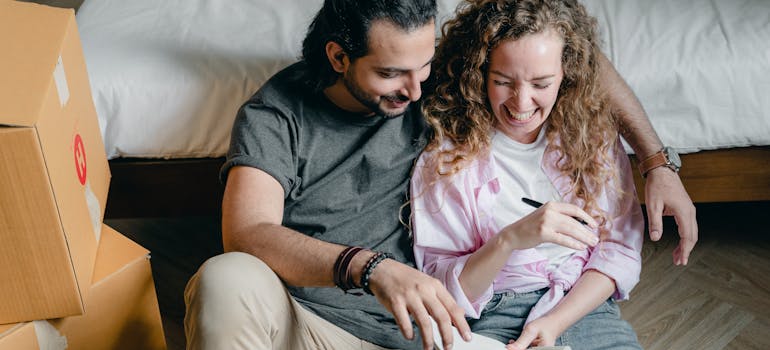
x: 634, y: 126
x: 664, y: 193
x: 252, y: 213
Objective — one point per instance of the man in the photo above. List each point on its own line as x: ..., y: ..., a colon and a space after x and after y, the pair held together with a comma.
x: 319, y: 161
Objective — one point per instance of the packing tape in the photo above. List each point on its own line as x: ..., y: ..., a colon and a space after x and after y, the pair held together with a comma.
x: 94, y: 210
x: 48, y: 337
x: 60, y: 78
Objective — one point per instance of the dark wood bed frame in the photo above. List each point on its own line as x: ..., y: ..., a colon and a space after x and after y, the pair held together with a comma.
x: 190, y: 187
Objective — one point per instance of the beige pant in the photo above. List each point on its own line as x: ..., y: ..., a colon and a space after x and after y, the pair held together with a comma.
x: 235, y: 301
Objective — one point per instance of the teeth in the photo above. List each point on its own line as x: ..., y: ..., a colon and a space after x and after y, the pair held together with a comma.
x: 519, y: 116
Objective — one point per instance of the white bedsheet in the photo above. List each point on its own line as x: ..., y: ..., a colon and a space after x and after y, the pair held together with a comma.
x: 700, y: 68
x: 168, y: 76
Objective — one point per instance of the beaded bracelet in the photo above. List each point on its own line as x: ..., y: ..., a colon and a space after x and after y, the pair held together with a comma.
x: 370, y: 265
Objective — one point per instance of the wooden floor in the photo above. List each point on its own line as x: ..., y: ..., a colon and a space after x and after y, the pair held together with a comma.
x: 721, y: 300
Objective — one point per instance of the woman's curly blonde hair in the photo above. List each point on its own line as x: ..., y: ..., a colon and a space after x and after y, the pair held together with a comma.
x: 458, y: 109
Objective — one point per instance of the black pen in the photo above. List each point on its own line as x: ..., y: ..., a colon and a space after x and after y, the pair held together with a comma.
x: 537, y: 204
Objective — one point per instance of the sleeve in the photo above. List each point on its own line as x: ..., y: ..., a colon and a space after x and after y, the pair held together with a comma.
x: 618, y: 255
x: 444, y: 231
x: 266, y: 139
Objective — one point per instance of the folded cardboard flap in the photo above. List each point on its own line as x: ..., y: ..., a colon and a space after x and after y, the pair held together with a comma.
x: 115, y: 252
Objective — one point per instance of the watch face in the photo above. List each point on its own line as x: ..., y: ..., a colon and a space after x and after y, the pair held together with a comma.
x: 673, y: 158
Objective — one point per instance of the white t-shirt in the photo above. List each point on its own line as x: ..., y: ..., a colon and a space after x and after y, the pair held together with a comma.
x: 520, y: 175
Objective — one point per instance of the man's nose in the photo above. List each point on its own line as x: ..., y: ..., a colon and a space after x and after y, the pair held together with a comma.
x: 412, y: 88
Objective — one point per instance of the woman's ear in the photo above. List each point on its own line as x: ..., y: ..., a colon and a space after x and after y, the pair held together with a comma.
x: 337, y: 57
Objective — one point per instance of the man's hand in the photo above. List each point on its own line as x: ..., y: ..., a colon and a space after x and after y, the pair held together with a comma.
x: 404, y: 291
x: 665, y: 196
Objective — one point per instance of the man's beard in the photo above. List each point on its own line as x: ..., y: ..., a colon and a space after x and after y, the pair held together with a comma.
x: 371, y: 102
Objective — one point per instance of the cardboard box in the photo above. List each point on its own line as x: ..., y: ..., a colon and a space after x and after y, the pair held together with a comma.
x: 54, y: 174
x: 121, y: 311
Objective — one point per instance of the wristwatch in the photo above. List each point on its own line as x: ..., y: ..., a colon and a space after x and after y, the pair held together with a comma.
x: 665, y: 157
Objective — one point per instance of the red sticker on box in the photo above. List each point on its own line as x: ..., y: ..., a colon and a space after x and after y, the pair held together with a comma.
x: 80, y: 159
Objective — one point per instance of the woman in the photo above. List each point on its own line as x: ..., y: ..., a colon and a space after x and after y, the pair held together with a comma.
x: 517, y: 113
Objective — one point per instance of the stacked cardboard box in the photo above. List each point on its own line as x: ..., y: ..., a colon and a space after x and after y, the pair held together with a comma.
x: 121, y: 309
x: 54, y: 179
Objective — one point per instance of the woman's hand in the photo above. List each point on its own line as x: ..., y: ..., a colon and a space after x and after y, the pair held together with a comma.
x: 540, y: 332
x: 554, y: 222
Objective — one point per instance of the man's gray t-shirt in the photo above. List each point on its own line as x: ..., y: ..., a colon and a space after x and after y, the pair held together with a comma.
x: 345, y: 178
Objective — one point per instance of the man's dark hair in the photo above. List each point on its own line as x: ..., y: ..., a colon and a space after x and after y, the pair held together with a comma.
x: 347, y: 23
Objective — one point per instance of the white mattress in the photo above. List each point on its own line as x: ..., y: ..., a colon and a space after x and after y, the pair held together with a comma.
x: 700, y: 68
x: 168, y: 76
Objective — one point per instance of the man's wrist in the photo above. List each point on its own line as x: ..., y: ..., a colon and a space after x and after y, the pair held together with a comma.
x: 342, y: 270
x: 666, y: 157
x: 642, y: 150
x: 359, y: 264
x: 371, y: 265
x: 660, y: 169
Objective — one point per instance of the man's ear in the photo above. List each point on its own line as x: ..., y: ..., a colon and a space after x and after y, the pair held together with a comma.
x: 337, y: 57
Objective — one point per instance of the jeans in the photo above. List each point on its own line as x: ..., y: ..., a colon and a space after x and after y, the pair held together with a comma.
x: 603, y: 328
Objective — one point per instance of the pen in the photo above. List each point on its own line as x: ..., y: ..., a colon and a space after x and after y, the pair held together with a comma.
x: 537, y: 204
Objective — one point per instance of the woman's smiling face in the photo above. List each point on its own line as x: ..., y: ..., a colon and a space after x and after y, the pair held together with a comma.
x: 523, y: 82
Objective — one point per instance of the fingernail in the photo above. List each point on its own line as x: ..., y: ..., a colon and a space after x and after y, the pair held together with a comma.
x: 448, y: 346
x: 467, y: 336
x: 655, y: 235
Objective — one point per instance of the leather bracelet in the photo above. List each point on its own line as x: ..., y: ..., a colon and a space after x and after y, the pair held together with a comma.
x: 341, y: 272
x: 370, y: 265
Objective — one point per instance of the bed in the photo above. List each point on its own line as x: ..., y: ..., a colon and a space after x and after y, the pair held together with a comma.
x: 168, y: 77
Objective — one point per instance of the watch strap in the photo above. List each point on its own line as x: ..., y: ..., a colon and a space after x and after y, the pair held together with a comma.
x: 658, y: 159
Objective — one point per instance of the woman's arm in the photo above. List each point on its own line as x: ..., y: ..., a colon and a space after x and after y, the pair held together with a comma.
x: 590, y: 290
x: 449, y: 246
x: 443, y: 231
x: 553, y: 222
x: 613, y: 267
